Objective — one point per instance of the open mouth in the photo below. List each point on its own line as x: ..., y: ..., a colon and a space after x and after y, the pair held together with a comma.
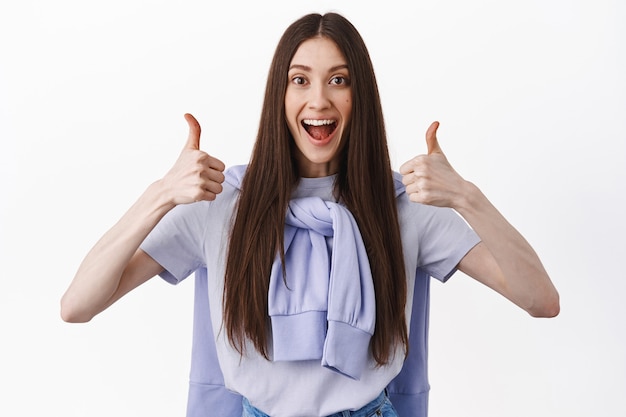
x: 319, y: 129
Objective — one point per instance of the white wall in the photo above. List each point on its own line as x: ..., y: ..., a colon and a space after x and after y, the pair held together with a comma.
x: 531, y: 96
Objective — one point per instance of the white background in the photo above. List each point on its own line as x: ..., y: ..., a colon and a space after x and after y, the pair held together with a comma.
x: 531, y: 96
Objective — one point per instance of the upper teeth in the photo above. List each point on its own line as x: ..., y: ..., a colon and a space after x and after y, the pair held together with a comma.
x: 314, y: 122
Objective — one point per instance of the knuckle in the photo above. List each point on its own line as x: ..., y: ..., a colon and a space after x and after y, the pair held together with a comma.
x: 216, y: 176
x: 197, y: 168
x: 420, y: 159
x: 214, y: 188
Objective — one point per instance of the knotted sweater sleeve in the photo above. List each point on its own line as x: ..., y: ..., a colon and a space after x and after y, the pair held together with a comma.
x: 325, y: 308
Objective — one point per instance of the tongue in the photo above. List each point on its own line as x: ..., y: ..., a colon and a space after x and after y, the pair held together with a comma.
x: 320, y: 132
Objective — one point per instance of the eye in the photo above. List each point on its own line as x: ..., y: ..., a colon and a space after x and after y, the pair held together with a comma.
x: 339, y: 80
x: 298, y: 80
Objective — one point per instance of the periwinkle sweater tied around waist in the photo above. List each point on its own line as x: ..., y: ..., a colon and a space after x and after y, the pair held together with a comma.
x: 324, y: 307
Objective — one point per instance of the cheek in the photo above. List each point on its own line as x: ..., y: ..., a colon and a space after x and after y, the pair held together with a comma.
x: 347, y: 104
x: 347, y: 111
x: 292, y: 125
x: 291, y: 107
x: 290, y: 113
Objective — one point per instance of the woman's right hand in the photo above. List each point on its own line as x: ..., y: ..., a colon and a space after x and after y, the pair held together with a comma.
x: 116, y: 265
x: 196, y: 175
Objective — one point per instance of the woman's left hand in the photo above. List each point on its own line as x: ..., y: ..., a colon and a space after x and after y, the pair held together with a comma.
x: 504, y: 261
x: 430, y: 179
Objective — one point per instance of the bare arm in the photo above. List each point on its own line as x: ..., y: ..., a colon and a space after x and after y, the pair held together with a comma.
x: 504, y: 261
x: 116, y: 265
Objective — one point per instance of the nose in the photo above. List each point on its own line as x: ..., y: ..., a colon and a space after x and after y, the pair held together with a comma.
x: 318, y: 97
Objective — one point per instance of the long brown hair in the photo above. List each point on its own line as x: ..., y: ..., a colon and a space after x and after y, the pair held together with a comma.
x: 364, y: 184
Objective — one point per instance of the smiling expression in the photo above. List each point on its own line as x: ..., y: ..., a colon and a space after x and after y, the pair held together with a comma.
x: 318, y: 106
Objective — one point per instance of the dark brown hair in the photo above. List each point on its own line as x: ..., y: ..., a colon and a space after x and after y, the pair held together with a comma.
x: 364, y: 184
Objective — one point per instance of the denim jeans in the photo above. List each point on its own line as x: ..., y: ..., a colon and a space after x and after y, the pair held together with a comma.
x: 380, y: 407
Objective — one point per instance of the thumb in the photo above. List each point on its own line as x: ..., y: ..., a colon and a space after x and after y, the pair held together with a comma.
x: 193, y: 140
x: 431, y: 139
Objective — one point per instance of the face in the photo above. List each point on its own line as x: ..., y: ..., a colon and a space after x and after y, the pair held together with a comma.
x: 318, y: 106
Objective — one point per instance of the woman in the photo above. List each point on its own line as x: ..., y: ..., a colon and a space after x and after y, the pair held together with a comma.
x: 315, y: 255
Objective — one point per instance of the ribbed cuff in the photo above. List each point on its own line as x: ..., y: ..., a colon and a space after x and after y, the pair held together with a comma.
x: 299, y: 337
x: 346, y: 349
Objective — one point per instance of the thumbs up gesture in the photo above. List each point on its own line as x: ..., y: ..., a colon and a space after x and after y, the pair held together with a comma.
x: 196, y: 175
x: 430, y: 179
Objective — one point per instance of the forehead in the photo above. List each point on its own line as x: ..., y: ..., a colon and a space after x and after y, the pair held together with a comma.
x: 318, y: 52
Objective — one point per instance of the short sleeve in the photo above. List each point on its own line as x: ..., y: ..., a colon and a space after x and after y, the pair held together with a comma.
x: 444, y: 240
x: 177, y: 241
x: 439, y: 237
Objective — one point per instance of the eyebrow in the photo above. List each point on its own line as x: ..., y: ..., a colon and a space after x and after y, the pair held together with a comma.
x: 309, y: 69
